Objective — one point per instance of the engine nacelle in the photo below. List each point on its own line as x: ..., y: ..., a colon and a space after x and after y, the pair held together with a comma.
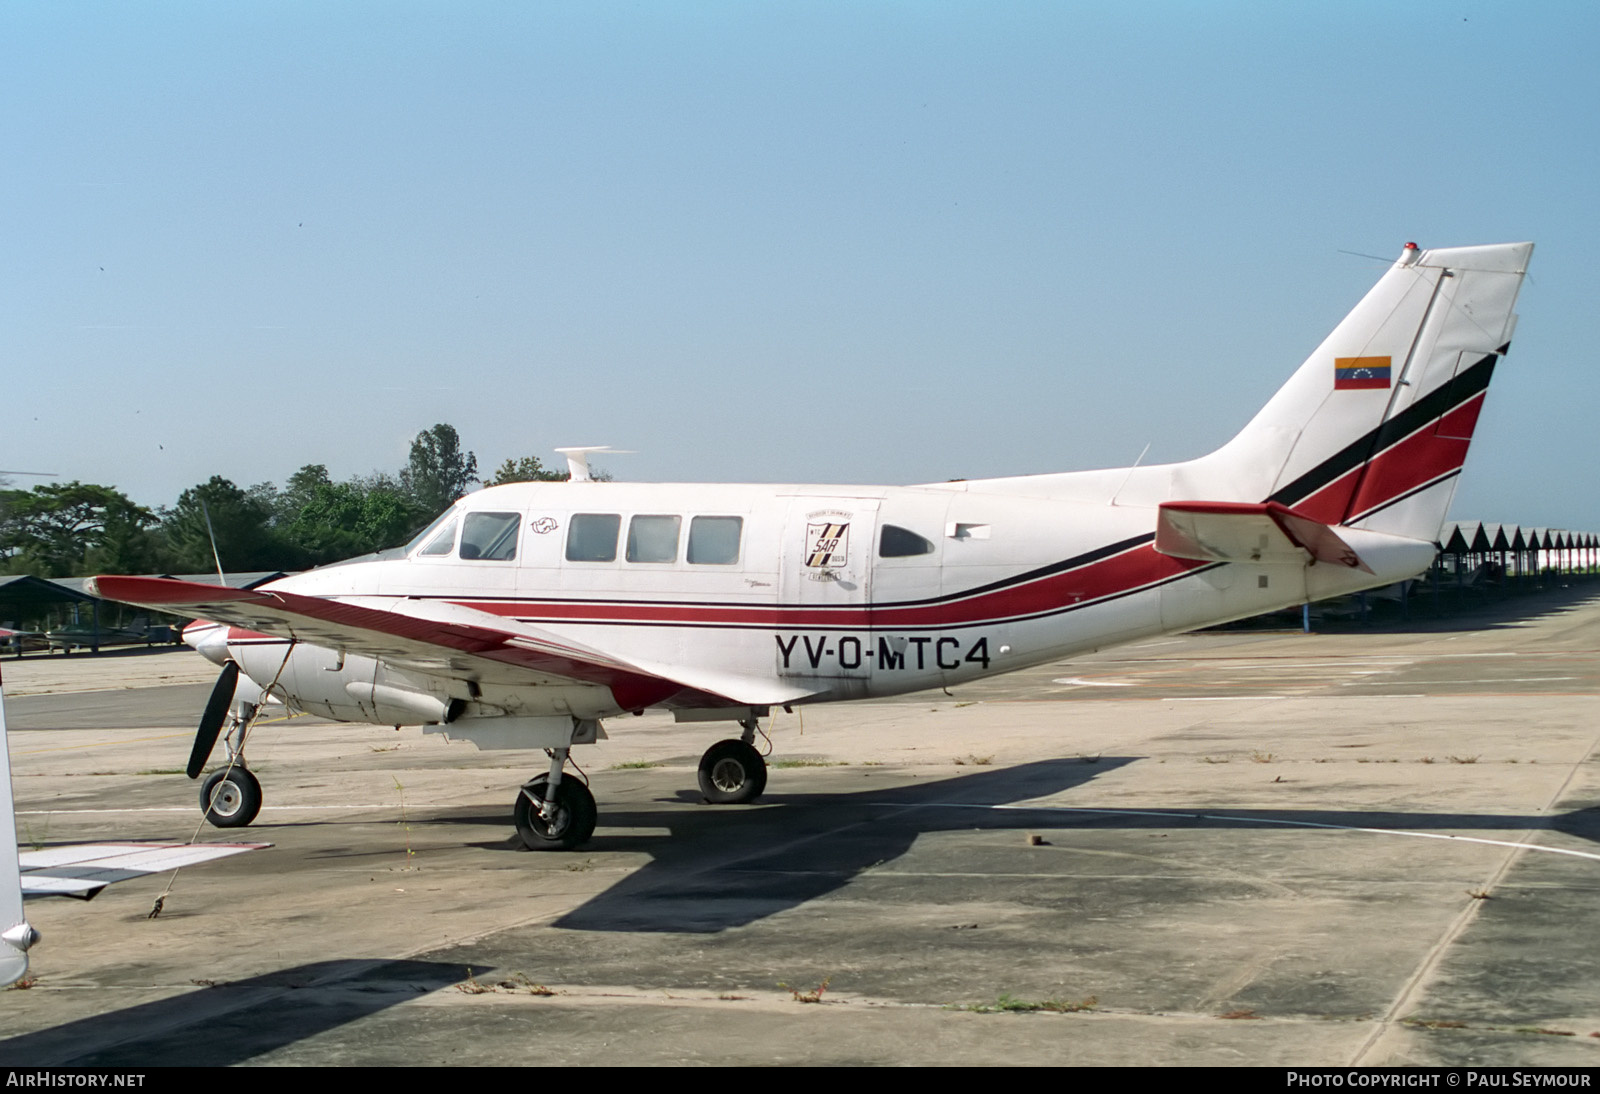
x: 344, y: 687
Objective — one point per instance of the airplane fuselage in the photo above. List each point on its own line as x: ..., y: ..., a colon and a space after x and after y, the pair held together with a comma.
x: 827, y: 592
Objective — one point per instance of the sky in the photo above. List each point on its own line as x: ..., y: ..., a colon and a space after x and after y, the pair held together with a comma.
x: 844, y: 242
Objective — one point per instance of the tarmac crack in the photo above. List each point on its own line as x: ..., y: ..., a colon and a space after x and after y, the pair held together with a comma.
x: 1411, y: 991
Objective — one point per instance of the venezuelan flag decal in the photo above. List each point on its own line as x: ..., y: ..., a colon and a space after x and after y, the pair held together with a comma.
x: 1355, y: 373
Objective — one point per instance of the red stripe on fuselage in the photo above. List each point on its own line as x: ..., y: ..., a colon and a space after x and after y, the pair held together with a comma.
x: 1117, y: 575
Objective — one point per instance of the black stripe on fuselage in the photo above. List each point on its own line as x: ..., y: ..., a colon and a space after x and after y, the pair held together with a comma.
x: 1435, y: 404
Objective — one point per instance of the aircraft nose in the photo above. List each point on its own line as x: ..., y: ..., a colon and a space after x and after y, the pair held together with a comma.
x: 210, y: 640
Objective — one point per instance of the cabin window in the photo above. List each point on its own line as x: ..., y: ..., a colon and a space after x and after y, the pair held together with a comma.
x: 441, y: 543
x: 490, y: 537
x: 714, y: 541
x: 592, y: 537
x: 653, y: 539
x: 896, y: 542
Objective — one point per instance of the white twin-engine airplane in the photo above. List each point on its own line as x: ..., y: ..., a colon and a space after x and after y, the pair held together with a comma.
x: 527, y: 613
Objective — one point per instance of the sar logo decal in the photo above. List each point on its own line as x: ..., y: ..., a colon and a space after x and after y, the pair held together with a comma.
x: 827, y: 544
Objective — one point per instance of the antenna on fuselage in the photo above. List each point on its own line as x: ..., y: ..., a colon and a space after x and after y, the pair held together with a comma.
x: 221, y: 578
x: 1129, y: 475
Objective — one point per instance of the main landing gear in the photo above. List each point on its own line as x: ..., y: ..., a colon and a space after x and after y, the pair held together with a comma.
x: 732, y: 772
x: 556, y: 812
x: 553, y: 812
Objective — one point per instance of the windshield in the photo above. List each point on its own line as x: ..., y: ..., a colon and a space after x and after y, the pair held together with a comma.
x: 422, y: 537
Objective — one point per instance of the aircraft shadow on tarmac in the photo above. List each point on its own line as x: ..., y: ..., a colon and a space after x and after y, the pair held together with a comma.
x: 724, y: 868
x: 242, y: 1019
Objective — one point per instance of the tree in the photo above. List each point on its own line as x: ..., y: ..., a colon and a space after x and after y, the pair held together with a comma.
x: 527, y: 469
x: 242, y: 522
x: 338, y: 520
x: 51, y: 530
x: 438, y: 472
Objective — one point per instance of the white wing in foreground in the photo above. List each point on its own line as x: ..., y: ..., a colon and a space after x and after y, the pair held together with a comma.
x: 83, y: 869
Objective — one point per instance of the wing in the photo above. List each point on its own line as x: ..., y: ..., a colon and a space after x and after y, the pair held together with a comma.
x: 445, y: 639
x: 83, y: 869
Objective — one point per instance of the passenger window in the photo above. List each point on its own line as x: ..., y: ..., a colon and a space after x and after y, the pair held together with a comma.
x: 653, y: 539
x: 441, y: 543
x: 896, y: 542
x: 491, y: 537
x: 592, y: 537
x: 714, y: 541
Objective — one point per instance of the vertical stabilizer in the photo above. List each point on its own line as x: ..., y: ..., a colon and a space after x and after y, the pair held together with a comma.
x: 1373, y: 429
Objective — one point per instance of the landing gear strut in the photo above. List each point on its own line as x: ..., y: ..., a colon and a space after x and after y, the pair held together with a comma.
x: 553, y: 813
x: 732, y: 772
x: 231, y: 797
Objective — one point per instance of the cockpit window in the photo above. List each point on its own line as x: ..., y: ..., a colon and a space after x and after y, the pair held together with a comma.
x: 441, y: 543
x: 592, y: 537
x: 896, y: 542
x: 427, y: 533
x: 490, y: 537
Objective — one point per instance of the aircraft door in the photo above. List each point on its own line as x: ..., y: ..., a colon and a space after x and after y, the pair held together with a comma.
x: 825, y: 588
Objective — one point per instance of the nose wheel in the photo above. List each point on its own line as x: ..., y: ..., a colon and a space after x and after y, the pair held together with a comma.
x: 560, y: 825
x: 732, y: 772
x: 231, y: 798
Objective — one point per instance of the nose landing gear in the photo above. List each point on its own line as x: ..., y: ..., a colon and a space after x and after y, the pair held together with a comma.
x: 231, y: 798
x: 553, y: 813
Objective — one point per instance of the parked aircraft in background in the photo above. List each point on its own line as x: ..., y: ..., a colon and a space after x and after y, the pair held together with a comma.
x: 527, y: 614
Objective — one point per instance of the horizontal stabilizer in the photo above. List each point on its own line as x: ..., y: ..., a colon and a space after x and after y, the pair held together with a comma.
x: 1264, y: 533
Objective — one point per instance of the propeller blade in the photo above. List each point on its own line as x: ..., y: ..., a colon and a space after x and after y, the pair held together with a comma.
x: 211, y: 721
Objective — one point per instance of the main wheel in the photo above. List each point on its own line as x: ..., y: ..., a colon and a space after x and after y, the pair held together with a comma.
x: 572, y: 824
x: 732, y: 773
x: 231, y: 798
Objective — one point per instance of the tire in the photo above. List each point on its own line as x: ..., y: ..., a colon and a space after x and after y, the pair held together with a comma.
x: 572, y: 824
x: 732, y: 773
x: 231, y: 798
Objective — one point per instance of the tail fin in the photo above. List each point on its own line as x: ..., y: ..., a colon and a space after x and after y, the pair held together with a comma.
x: 1373, y: 429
